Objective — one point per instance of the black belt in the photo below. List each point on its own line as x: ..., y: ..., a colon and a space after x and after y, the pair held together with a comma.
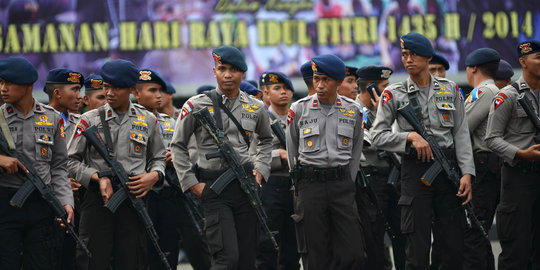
x: 279, y: 181
x: 525, y: 166
x: 205, y: 175
x: 373, y: 171
x: 9, y: 192
x: 310, y: 173
x: 450, y: 153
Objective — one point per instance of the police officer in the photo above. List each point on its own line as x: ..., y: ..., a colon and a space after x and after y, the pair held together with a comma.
x: 510, y: 134
x: 230, y: 221
x: 443, y: 113
x: 482, y: 64
x: 438, y: 65
x: 94, y: 95
x: 349, y: 86
x: 35, y: 132
x: 324, y: 143
x: 377, y: 169
x: 307, y: 75
x: 137, y: 145
x: 504, y: 74
x: 276, y: 193
x: 166, y: 105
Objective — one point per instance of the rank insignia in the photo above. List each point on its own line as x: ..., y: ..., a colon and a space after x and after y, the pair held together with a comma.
x: 247, y: 107
x: 290, y: 116
x: 44, y: 121
x: 140, y: 121
x: 186, y: 109
x: 74, y: 77
x: 145, y: 75
x: 315, y: 103
x: 255, y: 107
x: 386, y: 96
x: 338, y: 102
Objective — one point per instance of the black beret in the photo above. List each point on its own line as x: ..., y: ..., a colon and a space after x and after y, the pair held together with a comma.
x: 528, y: 47
x: 261, y: 79
x: 250, y: 89
x: 278, y: 77
x: 204, y: 88
x: 120, y: 73
x: 169, y: 89
x: 64, y: 76
x: 230, y: 55
x: 306, y: 70
x: 151, y: 76
x: 417, y: 43
x: 439, y: 59
x: 350, y: 71
x: 374, y: 73
x: 328, y: 64
x: 505, y: 71
x: 93, y: 82
x: 482, y: 56
x: 18, y: 70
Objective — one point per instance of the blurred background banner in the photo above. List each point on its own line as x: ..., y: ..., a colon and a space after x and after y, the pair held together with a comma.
x: 175, y: 37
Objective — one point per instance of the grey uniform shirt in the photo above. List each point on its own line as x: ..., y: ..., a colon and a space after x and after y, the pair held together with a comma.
x: 443, y: 113
x: 369, y: 151
x: 325, y: 139
x: 137, y: 143
x: 71, y: 124
x: 477, y: 107
x: 508, y: 127
x: 277, y: 167
x: 40, y: 138
x: 249, y: 112
x: 166, y: 126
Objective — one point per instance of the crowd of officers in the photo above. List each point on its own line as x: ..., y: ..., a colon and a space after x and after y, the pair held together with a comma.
x: 346, y: 172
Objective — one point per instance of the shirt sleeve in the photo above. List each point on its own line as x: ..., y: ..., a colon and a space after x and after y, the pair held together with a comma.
x: 291, y: 135
x: 478, y: 110
x: 462, y: 138
x: 384, y: 138
x: 59, y: 175
x: 263, y: 156
x: 155, y: 154
x: 358, y: 143
x: 499, y: 115
x: 77, y: 151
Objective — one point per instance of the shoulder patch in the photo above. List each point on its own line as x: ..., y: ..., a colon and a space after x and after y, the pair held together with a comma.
x: 473, y: 96
x: 186, y: 109
x: 290, y: 116
x: 386, y: 96
x: 499, y: 99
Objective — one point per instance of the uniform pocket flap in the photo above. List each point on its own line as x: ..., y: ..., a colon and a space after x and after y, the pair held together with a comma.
x: 446, y: 106
x: 309, y: 131
x: 248, y: 124
x: 506, y: 207
x: 139, y: 138
x: 405, y: 200
x: 297, y: 218
x: 345, y: 131
x: 44, y: 139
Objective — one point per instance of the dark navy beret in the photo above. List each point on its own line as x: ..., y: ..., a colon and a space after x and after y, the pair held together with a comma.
x: 18, y: 70
x: 120, y: 73
x: 278, y: 77
x: 374, y: 73
x: 250, y: 89
x: 350, y: 71
x: 328, y: 64
x: 482, y: 56
x: 439, y: 59
x: 417, y: 43
x: 528, y: 47
x: 169, y: 89
x: 65, y: 76
x: 261, y: 79
x: 93, y: 82
x: 306, y: 70
x: 204, y: 88
x: 505, y: 71
x: 151, y: 76
x: 230, y: 55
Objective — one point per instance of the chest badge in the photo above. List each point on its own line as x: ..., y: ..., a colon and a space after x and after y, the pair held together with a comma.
x: 140, y: 121
x: 44, y: 121
x: 248, y: 108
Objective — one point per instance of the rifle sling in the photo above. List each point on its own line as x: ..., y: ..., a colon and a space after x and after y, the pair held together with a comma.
x: 217, y: 101
x: 5, y: 130
x: 106, y: 131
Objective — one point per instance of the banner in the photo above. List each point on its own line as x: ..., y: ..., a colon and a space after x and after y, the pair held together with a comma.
x: 176, y: 37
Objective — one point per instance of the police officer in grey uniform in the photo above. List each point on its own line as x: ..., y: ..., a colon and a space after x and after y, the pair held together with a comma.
x: 377, y: 169
x: 230, y: 221
x: 118, y: 237
x: 504, y: 74
x: 307, y: 75
x: 324, y: 144
x: 443, y: 113
x: 37, y: 134
x: 510, y: 134
x: 276, y: 194
x: 482, y: 64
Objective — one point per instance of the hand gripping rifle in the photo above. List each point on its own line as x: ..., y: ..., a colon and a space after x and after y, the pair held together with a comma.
x: 235, y: 171
x: 117, y: 172
x: 441, y: 163
x: 32, y: 182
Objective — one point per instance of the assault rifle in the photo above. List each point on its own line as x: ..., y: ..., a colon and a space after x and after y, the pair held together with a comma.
x: 235, y: 171
x: 117, y: 172
x: 441, y: 162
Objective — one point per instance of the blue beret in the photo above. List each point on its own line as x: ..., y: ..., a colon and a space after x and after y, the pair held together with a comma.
x: 204, y: 88
x: 169, y: 89
x: 93, y: 82
x: 151, y: 76
x: 350, y: 71
x: 261, y: 79
x: 18, y: 70
x: 250, y: 89
x: 528, y: 47
x: 482, y: 56
x: 278, y: 77
x: 65, y: 76
x: 306, y: 70
x: 328, y: 64
x: 417, y: 43
x: 120, y: 73
x: 439, y: 59
x: 230, y: 55
x: 374, y: 73
x: 505, y: 71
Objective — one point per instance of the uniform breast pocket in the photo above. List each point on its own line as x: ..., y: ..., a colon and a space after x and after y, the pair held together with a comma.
x: 249, y: 127
x: 309, y: 139
x: 44, y: 142
x: 137, y: 144
x: 446, y: 113
x: 522, y: 123
x: 345, y: 136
